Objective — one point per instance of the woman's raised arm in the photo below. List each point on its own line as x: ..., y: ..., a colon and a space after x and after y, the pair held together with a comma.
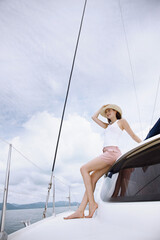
x: 97, y: 120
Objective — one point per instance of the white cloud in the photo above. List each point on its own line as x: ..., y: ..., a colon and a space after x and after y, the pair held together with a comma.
x: 79, y: 143
x: 37, y: 46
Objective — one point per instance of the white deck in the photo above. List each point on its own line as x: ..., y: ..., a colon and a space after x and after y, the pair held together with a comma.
x: 113, y: 221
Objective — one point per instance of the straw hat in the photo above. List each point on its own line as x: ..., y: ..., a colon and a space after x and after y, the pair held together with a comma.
x: 112, y: 106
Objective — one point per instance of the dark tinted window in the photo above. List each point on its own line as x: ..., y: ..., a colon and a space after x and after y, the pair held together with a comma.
x: 141, y: 182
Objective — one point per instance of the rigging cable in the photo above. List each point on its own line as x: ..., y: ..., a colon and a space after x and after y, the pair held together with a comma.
x: 60, y: 128
x: 155, y: 102
x: 70, y: 77
x: 130, y: 62
x: 22, y: 155
x: 30, y: 161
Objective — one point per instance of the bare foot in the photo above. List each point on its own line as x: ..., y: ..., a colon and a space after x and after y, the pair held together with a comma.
x: 92, y: 210
x: 77, y: 214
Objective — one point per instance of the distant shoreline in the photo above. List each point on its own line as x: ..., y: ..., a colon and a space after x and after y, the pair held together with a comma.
x: 13, y: 206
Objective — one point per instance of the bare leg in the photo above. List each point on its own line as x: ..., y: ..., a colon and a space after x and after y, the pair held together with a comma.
x: 95, y: 176
x: 94, y: 165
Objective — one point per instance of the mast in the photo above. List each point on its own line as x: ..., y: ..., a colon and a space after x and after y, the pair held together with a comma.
x: 64, y: 108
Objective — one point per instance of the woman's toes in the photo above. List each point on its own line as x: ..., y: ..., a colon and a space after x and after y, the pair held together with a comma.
x: 77, y: 214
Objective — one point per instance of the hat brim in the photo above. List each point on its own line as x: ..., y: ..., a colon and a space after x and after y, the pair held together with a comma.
x: 112, y: 106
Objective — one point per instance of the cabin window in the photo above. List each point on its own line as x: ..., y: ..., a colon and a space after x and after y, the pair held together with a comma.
x: 138, y: 179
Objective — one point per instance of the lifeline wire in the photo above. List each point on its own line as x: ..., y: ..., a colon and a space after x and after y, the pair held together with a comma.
x: 31, y: 161
x: 22, y: 154
x: 27, y: 159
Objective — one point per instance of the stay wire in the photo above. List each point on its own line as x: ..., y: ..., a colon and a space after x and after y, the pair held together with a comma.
x: 70, y: 77
x: 130, y: 62
x: 155, y: 102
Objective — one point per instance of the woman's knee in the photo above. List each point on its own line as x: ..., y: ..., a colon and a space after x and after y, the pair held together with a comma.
x: 83, y: 169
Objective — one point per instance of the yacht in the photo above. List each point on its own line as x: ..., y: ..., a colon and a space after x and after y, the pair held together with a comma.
x: 128, y: 203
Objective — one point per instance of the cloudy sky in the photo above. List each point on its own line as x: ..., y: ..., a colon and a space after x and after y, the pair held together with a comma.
x: 37, y: 44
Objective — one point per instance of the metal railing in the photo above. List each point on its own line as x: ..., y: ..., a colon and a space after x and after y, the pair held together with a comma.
x: 3, y: 234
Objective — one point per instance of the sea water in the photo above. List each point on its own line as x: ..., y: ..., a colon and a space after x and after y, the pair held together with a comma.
x: 14, y: 218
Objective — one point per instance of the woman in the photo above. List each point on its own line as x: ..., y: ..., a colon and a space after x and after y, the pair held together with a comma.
x: 100, y: 165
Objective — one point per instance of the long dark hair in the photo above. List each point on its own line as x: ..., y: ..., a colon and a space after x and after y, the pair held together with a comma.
x: 118, y: 116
